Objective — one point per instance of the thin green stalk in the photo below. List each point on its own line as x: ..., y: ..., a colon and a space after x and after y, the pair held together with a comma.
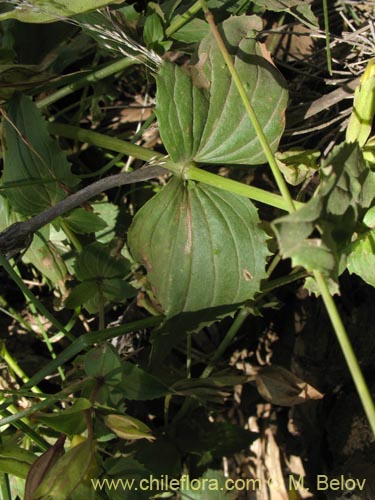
x: 179, y: 21
x: 191, y: 172
x: 328, y: 40
x: 25, y: 428
x: 14, y: 366
x: 28, y: 293
x: 71, y: 236
x: 341, y: 334
x: 347, y: 349
x: 99, y: 74
x: 5, y: 486
x: 229, y: 336
x: 254, y: 193
x: 103, y: 141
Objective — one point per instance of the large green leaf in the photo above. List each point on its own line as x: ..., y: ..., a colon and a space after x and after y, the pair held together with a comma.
x: 45, y: 11
x: 202, y: 247
x: 32, y: 160
x: 200, y: 112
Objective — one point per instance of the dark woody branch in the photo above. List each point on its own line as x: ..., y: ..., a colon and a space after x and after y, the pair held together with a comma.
x: 19, y: 235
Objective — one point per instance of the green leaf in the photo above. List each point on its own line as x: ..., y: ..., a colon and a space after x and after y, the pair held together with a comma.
x: 96, y: 262
x: 281, y: 387
x: 192, y: 32
x: 126, y: 427
x: 92, y: 293
x: 361, y: 259
x: 297, y: 8
x: 15, y: 460
x: 70, y: 421
x: 347, y: 187
x: 45, y: 257
x: 41, y: 465
x: 81, y: 221
x: 108, y: 212
x: 153, y: 31
x: 186, y: 236
x: 198, y: 435
x: 45, y: 11
x: 361, y: 118
x: 297, y: 165
x: 32, y: 156
x: 127, y: 468
x: 82, y: 293
x: 213, y: 487
x: 117, y: 290
x: 139, y: 385
x: 67, y: 473
x: 101, y: 361
x: 200, y: 112
x: 42, y: 253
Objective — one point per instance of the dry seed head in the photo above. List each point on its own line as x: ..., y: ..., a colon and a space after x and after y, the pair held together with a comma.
x: 108, y: 28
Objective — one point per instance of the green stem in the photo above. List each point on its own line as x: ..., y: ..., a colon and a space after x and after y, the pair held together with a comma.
x: 99, y: 74
x: 25, y: 428
x: 347, y: 349
x: 179, y: 21
x: 229, y: 336
x: 191, y: 172
x: 103, y: 141
x: 254, y: 193
x: 14, y: 366
x: 5, y: 487
x: 326, y: 29
x: 71, y: 236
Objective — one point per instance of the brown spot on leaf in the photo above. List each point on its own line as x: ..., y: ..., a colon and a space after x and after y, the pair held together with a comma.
x: 247, y: 275
x: 146, y: 261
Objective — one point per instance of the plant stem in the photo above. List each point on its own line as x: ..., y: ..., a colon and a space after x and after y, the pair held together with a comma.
x: 274, y: 200
x: 326, y: 29
x: 99, y: 74
x: 191, y: 172
x: 236, y: 325
x: 347, y: 349
x: 5, y: 487
x: 14, y: 366
x: 179, y: 21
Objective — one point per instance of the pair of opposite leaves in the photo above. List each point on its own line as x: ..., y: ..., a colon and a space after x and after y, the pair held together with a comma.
x: 202, y: 246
